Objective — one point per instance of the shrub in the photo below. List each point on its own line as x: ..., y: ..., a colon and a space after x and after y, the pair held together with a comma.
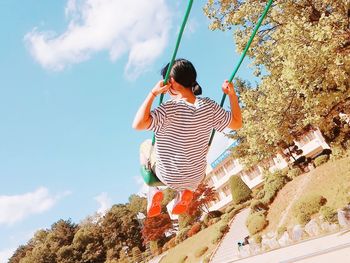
x: 239, y: 190
x: 182, y: 235
x: 294, y: 172
x: 258, y: 205
x: 136, y: 254
x: 329, y: 214
x: 217, y: 237
x: 201, y: 251
x: 223, y: 228
x: 196, y: 227
x: 229, y: 208
x: 321, y: 160
x: 182, y: 259
x: 307, y: 206
x: 273, y: 183
x: 171, y: 243
x: 206, y: 259
x: 257, y: 238
x: 281, y: 230
x: 256, y: 222
x: 211, y: 215
x: 213, y: 221
x: 153, y: 246
x: 186, y: 220
x: 232, y: 214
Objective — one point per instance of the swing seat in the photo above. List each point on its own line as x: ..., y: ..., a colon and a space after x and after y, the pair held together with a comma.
x: 149, y: 177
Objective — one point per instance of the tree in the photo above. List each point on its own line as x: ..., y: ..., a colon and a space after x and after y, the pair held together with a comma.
x: 137, y: 204
x: 201, y: 199
x: 303, y: 50
x: 154, y: 228
x: 120, y: 227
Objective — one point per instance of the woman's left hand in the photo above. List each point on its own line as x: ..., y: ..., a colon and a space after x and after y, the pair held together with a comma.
x: 227, y: 88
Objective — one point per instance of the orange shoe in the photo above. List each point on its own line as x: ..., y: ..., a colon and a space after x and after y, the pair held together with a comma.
x: 154, y: 206
x: 182, y: 202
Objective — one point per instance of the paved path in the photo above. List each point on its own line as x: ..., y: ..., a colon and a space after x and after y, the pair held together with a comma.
x: 227, y: 250
x: 332, y: 248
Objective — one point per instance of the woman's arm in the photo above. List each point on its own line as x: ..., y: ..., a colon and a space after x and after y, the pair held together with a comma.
x: 143, y: 118
x: 236, y: 120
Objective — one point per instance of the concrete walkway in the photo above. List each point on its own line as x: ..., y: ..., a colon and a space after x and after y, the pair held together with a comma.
x: 332, y: 248
x: 227, y: 250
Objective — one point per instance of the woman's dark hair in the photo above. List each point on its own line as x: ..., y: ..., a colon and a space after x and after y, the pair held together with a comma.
x: 185, y: 74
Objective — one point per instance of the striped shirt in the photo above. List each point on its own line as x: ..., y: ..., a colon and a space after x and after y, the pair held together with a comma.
x: 182, y: 133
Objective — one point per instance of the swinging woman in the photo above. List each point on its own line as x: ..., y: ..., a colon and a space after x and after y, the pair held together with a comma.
x: 182, y: 127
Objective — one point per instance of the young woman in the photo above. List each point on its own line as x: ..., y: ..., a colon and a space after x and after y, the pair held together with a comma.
x: 182, y: 127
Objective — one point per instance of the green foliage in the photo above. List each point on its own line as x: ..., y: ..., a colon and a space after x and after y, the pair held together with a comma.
x: 329, y: 214
x: 200, y: 252
x: 257, y: 238
x: 321, y: 160
x: 153, y: 246
x: 303, y: 49
x: 273, y: 183
x: 230, y: 208
x: 281, y: 230
x: 211, y: 215
x: 137, y: 204
x: 256, y: 222
x: 186, y: 220
x: 136, y: 255
x: 239, y: 190
x: 217, y: 237
x: 213, y: 221
x: 307, y: 206
x: 294, y: 172
x: 258, y: 205
x: 195, y: 228
x: 182, y: 235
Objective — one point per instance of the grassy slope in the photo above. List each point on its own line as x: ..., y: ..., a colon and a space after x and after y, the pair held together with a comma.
x: 331, y: 180
x: 191, y: 245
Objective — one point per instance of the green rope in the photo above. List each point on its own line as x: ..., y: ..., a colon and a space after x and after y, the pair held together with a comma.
x: 242, y: 58
x: 184, y: 21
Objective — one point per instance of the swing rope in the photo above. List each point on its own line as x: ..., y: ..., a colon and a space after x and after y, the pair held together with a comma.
x: 184, y: 21
x: 242, y: 58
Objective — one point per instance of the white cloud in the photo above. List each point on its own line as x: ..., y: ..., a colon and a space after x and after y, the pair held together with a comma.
x: 105, y: 203
x: 143, y: 187
x: 136, y: 27
x: 15, y: 208
x: 6, y: 254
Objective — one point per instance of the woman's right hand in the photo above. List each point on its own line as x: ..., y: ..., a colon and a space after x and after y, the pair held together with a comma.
x: 160, y: 88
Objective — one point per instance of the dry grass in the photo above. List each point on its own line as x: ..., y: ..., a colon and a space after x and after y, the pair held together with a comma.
x: 331, y: 180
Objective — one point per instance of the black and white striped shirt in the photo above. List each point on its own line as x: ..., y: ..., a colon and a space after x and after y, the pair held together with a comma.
x: 182, y: 133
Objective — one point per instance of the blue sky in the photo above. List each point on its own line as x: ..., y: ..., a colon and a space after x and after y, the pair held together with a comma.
x: 72, y: 78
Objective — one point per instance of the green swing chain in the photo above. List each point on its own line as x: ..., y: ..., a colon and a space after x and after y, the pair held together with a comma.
x: 188, y: 10
x: 242, y: 58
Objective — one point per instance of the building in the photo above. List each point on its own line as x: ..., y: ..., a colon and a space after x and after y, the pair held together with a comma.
x: 219, y: 172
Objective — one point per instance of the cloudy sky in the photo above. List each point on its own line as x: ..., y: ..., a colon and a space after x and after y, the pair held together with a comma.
x: 73, y: 74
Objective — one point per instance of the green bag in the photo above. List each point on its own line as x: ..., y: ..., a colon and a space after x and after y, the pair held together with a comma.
x: 149, y: 176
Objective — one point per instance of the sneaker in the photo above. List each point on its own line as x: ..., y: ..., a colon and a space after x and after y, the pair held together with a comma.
x: 154, y: 203
x: 182, y: 202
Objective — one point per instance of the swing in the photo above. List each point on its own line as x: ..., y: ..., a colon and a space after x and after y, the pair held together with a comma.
x: 149, y: 177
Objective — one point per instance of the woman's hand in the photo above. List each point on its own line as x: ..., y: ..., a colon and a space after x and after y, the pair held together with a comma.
x: 160, y: 88
x: 227, y: 88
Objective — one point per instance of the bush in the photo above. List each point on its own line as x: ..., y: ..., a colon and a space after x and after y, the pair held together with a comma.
x: 186, y: 220
x: 170, y: 244
x: 307, y: 206
x: 273, y: 183
x: 321, y: 160
x: 233, y: 213
x: 211, y: 215
x: 229, y: 208
x: 258, y: 205
x: 281, y: 230
x: 206, y: 259
x: 182, y: 235
x: 239, y: 190
x: 213, y: 221
x: 256, y: 222
x: 200, y: 252
x: 217, y: 238
x: 196, y: 227
x: 153, y: 246
x: 294, y: 172
x: 223, y: 228
x: 257, y: 238
x: 136, y: 254
x: 329, y: 214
